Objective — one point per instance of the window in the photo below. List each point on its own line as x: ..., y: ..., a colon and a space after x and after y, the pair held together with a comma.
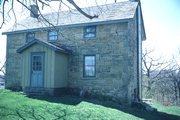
x: 90, y: 32
x: 30, y: 37
x: 37, y: 63
x: 52, y: 35
x: 89, y: 66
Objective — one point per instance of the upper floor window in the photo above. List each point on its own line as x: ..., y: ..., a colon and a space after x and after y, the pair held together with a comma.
x: 52, y: 35
x: 90, y: 32
x: 89, y: 66
x: 30, y: 37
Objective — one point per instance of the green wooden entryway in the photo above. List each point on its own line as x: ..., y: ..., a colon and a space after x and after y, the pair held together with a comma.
x: 44, y: 65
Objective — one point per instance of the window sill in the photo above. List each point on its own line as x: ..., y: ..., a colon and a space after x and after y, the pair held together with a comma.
x: 90, y: 38
x: 52, y: 40
x: 89, y: 78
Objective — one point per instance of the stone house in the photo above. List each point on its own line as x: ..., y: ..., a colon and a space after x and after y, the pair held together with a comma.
x: 100, y: 56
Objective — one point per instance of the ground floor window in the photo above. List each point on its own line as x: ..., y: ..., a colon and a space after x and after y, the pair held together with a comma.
x: 89, y: 66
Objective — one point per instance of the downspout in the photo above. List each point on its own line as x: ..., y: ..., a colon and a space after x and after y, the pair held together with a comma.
x: 139, y: 83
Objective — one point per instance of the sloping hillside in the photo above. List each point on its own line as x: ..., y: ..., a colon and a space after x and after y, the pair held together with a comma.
x: 15, y: 106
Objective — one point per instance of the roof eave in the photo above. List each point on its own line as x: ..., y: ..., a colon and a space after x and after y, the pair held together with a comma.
x: 144, y: 31
x: 65, y: 52
x: 69, y: 26
x: 21, y: 49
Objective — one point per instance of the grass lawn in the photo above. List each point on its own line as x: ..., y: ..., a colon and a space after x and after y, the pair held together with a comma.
x: 15, y: 106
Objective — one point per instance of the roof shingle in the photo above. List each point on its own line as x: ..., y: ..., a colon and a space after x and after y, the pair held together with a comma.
x: 109, y: 12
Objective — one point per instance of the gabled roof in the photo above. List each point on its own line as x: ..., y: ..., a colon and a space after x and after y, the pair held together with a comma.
x: 109, y: 13
x: 46, y: 44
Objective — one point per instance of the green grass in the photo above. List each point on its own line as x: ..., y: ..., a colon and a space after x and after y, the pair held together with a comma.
x: 15, y: 106
x: 174, y: 110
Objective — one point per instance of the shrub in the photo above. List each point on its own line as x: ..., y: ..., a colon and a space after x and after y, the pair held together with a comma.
x: 15, y: 86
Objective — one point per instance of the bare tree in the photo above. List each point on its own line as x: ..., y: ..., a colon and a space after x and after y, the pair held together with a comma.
x: 173, y: 78
x: 3, y: 70
x: 168, y: 87
x: 175, y: 87
x: 152, y: 69
x: 161, y: 80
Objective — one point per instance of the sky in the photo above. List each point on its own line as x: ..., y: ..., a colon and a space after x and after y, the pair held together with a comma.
x: 161, y: 20
x: 162, y: 25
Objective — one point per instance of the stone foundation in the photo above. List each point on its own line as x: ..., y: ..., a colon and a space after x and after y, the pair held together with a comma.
x: 35, y: 91
x: 101, y: 95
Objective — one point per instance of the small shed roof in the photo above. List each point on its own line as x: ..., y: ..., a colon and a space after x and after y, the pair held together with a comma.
x: 49, y: 45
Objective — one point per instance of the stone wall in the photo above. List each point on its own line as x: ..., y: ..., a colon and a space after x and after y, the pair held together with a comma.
x: 116, y: 57
x: 14, y: 60
x: 115, y: 48
x: 133, y: 86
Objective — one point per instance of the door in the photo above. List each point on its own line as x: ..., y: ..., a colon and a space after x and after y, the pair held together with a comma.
x: 37, y: 62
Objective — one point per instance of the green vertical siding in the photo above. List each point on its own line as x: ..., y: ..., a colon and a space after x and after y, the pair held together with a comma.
x: 60, y: 73
x: 48, y: 68
x: 55, y: 67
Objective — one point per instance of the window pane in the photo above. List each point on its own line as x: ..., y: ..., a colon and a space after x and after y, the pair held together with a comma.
x: 90, y: 32
x: 90, y: 29
x: 37, y: 65
x: 89, y: 71
x: 90, y: 60
x: 89, y: 66
x: 53, y: 35
x: 90, y: 35
x: 51, y: 38
x: 30, y: 37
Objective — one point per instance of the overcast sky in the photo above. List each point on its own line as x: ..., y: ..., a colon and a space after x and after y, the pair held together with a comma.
x: 161, y: 19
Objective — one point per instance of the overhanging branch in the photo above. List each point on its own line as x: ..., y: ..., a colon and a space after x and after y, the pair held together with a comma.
x: 81, y: 11
x: 3, y: 19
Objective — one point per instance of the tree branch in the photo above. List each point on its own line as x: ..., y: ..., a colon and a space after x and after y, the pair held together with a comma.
x: 3, y: 18
x: 80, y: 10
